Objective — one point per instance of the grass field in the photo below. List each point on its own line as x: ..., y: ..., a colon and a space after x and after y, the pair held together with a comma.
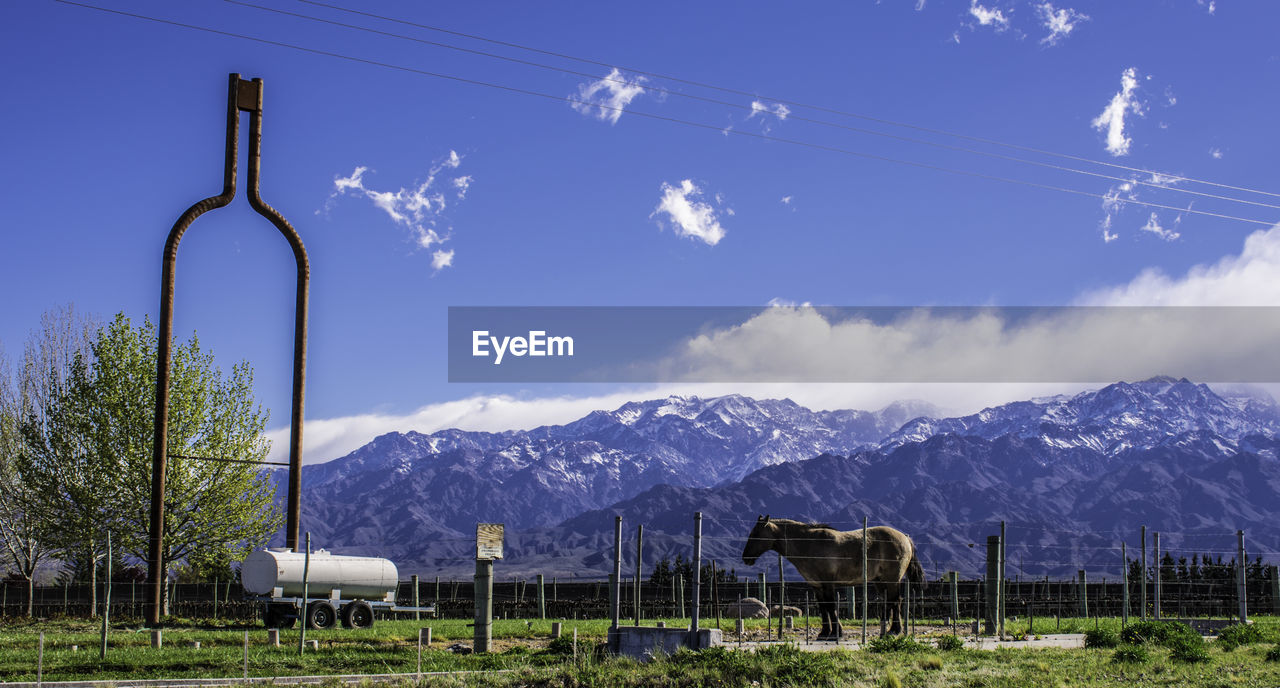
x: 524, y: 649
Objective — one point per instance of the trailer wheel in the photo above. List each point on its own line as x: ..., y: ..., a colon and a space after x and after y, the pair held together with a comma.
x: 321, y: 615
x: 357, y: 614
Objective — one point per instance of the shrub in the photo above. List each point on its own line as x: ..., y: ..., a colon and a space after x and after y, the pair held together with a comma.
x: 891, y: 680
x: 1101, y: 637
x: 562, y: 646
x: 931, y: 663
x: 1158, y: 632
x: 950, y: 643
x: 1188, y: 650
x: 894, y: 643
x: 1130, y: 654
x: 1273, y: 655
x: 1234, y: 636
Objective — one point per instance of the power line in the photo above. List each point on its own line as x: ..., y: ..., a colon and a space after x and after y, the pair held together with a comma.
x: 723, y: 89
x: 1157, y: 180
x: 664, y: 118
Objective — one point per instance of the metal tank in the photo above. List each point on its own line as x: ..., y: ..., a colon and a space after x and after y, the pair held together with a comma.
x: 278, y: 572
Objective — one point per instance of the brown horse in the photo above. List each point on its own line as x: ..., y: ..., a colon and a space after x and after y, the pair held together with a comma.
x: 829, y: 558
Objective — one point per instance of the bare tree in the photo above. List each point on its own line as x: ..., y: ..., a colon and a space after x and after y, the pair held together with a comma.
x: 29, y: 535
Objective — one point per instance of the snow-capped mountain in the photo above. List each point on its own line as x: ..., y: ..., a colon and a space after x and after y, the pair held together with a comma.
x: 1085, y: 469
x: 1111, y: 420
x: 444, y: 482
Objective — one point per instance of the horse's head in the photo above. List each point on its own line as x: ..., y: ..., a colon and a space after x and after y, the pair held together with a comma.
x: 759, y: 542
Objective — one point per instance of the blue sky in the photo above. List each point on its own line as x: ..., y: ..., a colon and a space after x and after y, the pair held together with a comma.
x: 114, y: 125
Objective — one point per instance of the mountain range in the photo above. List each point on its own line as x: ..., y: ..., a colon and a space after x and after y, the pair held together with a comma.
x: 1071, y: 475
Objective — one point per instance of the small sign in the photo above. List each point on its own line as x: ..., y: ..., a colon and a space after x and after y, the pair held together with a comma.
x: 488, y: 541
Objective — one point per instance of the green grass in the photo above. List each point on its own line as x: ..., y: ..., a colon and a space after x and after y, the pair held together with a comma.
x: 525, y: 649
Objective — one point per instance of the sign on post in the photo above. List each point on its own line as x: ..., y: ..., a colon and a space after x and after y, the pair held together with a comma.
x: 488, y: 541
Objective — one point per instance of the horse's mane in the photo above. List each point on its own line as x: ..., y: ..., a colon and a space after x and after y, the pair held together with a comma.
x: 811, y: 524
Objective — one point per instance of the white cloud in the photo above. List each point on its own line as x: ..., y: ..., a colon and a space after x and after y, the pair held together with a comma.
x: 689, y: 217
x: 919, y: 5
x: 1215, y: 153
x: 462, y: 184
x: 1103, y: 344
x: 764, y: 110
x: 1153, y: 226
x: 1246, y: 279
x: 607, y: 98
x: 1107, y: 235
x: 761, y: 108
x: 786, y: 200
x: 1059, y: 22
x: 989, y: 16
x: 1112, y: 118
x: 418, y: 208
x: 441, y: 259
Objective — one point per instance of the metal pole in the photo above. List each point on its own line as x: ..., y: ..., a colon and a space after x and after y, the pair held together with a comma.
x: 1000, y: 585
x: 864, y: 581
x: 680, y: 582
x: 782, y: 585
x: 106, y: 599
x: 1124, y: 573
x: 246, y: 654
x: 615, y: 585
x: 1156, y: 537
x: 697, y: 579
x: 639, y: 554
x: 302, y: 603
x: 715, y: 591
x: 1242, y: 588
x: 1144, y: 573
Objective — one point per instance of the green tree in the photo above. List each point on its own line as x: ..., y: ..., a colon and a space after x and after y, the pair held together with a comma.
x: 219, y: 505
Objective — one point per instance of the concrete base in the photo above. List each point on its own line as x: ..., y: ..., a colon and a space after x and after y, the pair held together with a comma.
x: 644, y: 642
x: 1208, y: 626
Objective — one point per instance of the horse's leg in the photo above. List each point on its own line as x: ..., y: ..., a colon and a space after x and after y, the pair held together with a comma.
x: 836, y: 629
x: 830, y: 621
x: 822, y: 611
x: 893, y: 597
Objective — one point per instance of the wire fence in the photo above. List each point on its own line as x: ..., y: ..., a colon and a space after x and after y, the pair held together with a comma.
x: 936, y: 601
x: 1197, y: 578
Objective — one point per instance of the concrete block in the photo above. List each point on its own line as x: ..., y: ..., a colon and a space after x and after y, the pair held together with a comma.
x: 647, y: 642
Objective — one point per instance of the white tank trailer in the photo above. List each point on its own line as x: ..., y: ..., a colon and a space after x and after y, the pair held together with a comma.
x: 337, y: 587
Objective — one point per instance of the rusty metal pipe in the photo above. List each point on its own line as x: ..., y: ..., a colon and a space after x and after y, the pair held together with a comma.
x: 242, y: 95
x: 293, y: 512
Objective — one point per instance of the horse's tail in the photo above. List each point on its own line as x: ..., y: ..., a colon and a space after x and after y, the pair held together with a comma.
x: 915, y: 572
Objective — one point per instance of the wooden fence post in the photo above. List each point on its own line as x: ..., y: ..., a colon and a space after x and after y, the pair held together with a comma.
x: 1242, y: 589
x: 542, y: 599
x: 955, y: 596
x: 1084, y: 596
x: 992, y: 602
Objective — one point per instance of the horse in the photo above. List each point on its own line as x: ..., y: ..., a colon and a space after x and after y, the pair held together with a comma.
x: 829, y: 558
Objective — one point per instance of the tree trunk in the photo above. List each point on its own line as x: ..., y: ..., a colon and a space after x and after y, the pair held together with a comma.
x: 31, y: 594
